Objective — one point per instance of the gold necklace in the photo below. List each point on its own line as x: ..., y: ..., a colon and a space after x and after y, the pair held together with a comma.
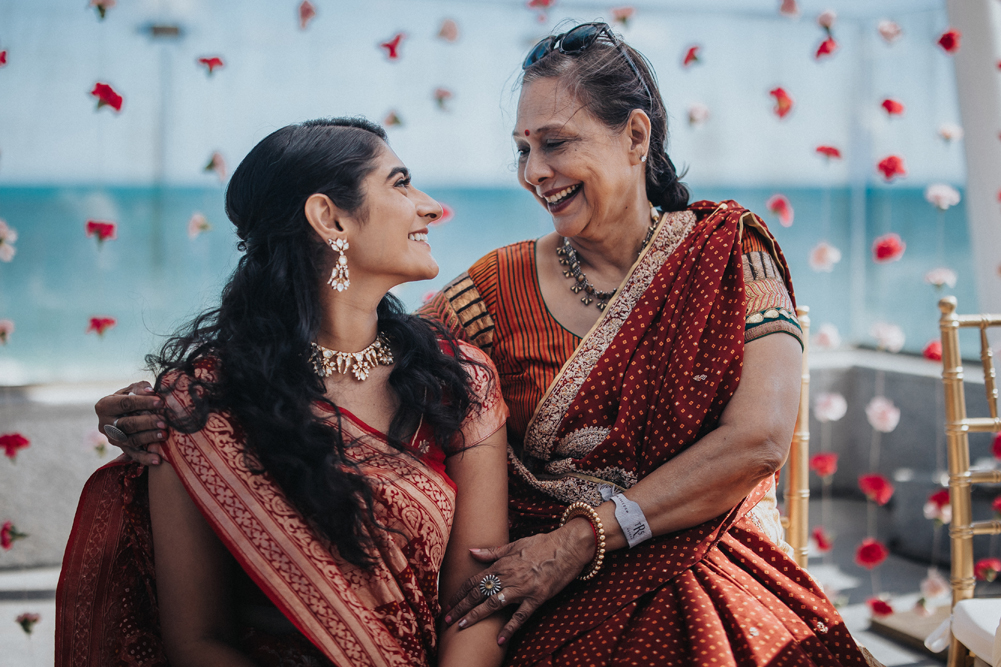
x: 568, y: 258
x: 327, y: 362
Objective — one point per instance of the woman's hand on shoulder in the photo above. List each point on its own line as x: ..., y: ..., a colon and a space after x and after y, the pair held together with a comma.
x: 137, y: 412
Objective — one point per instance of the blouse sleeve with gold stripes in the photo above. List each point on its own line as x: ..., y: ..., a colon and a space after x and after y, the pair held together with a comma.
x: 768, y: 308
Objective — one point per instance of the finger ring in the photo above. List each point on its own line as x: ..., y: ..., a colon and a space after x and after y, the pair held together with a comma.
x: 500, y: 598
x: 112, y: 431
x: 490, y: 585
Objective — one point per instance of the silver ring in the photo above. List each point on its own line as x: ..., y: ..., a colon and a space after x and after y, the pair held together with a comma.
x: 490, y: 585
x: 115, y: 433
x: 500, y: 598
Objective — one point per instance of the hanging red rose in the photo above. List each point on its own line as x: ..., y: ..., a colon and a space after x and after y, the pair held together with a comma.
x: 987, y: 569
x: 392, y: 119
x: 893, y: 107
x: 780, y: 206
x: 99, y: 325
x: 101, y: 230
x: 212, y: 63
x: 9, y: 534
x: 3, y: 58
x: 996, y: 447
x: 106, y: 96
x: 306, y: 13
x: 691, y: 56
x: 441, y: 96
x: 10, y: 443
x: 825, y: 464
x: 996, y: 505
x: 27, y: 622
x: 879, y: 607
x: 783, y: 103
x: 938, y: 508
x: 892, y: 167
x: 393, y: 46
x: 870, y: 553
x: 949, y: 40
x: 876, y: 488
x: 888, y: 248
x: 829, y: 152
x: 826, y: 48
x: 933, y: 351
x: 823, y: 540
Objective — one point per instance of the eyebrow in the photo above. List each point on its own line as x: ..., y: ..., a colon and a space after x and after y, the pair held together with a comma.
x: 398, y: 170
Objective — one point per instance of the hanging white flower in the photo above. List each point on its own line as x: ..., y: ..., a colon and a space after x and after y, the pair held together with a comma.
x: 830, y: 407
x: 823, y: 257
x: 698, y: 114
x: 950, y: 132
x: 889, y: 31
x: 882, y: 414
x: 888, y: 336
x: 827, y: 337
x: 942, y: 196
x: 941, y: 276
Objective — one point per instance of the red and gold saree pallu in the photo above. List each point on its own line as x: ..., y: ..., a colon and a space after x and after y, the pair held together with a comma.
x: 650, y: 379
x: 106, y: 601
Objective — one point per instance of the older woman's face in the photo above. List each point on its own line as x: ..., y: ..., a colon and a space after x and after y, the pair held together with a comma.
x: 579, y: 169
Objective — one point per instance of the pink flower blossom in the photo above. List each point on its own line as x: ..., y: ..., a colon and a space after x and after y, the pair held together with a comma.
x: 698, y: 114
x: 889, y: 31
x: 441, y: 96
x: 27, y: 622
x: 950, y: 132
x: 888, y: 248
x: 779, y: 205
x: 935, y: 585
x: 789, y: 8
x: 8, y: 237
x: 888, y: 337
x: 6, y: 329
x: 10, y: 443
x: 623, y: 15
x: 941, y: 276
x: 102, y: 7
x: 823, y: 257
x: 871, y: 553
x: 830, y: 407
x: 882, y: 414
x: 942, y: 196
x: 826, y: 19
x: 98, y: 442
x: 217, y: 163
x: 306, y: 13
x: 392, y: 119
x: 9, y: 534
x: 197, y: 224
x: 876, y: 488
x: 827, y: 337
x: 449, y: 30
x: 937, y: 507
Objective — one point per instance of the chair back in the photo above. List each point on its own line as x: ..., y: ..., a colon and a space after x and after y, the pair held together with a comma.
x: 958, y: 426
x: 797, y: 488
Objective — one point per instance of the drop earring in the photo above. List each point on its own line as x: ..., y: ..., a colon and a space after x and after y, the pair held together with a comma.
x: 339, y: 276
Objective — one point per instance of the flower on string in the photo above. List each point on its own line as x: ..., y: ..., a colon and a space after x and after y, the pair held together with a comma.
x: 823, y: 257
x: 827, y: 336
x: 830, y: 407
x: 691, y: 56
x: 941, y: 276
x: 27, y: 622
x: 937, y: 507
x: 99, y: 325
x: 829, y: 152
x: 446, y: 216
x: 8, y: 237
x: 3, y: 58
x: 934, y: 585
x: 996, y: 447
x: 950, y: 132
x: 882, y: 414
x: 6, y: 329
x: 10, y: 534
x: 698, y: 114
x: 10, y: 443
x: 449, y: 31
x: 826, y: 20
x: 888, y: 336
x: 541, y: 4
x: 941, y: 196
x: 826, y: 48
x: 212, y: 63
x: 879, y: 607
x: 783, y: 103
x: 996, y: 506
x: 441, y: 96
x: 306, y: 13
x: 889, y: 31
x: 876, y: 488
x: 779, y: 205
x: 623, y: 15
x: 427, y: 297
x: 98, y: 442
x: 986, y: 569
x: 107, y: 97
x: 822, y: 539
x: 933, y: 350
x: 888, y: 248
x: 871, y: 553
x: 892, y: 167
x: 392, y: 119
x: 949, y: 40
x: 789, y: 8
x: 393, y: 46
x: 102, y: 7
x: 824, y: 464
x: 197, y: 224
x: 217, y: 163
x: 101, y: 230
x: 892, y: 107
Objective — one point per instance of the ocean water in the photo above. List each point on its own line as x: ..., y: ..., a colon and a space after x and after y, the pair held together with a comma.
x: 153, y: 277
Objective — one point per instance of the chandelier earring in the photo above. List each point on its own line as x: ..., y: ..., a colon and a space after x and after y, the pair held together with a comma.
x: 339, y: 276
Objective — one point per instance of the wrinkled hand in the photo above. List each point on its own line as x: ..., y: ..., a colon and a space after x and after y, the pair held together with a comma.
x: 139, y: 412
x: 532, y: 570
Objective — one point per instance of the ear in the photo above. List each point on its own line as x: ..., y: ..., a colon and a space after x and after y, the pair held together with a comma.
x: 637, y: 133
x: 324, y: 216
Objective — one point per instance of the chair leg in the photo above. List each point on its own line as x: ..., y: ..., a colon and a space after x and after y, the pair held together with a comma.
x: 959, y: 655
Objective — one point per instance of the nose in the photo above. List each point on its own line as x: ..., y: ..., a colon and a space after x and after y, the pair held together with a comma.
x: 536, y: 170
x: 428, y: 207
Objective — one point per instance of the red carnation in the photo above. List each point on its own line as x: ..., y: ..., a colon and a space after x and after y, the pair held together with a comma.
x: 3, y: 58
x: 393, y: 46
x: 893, y: 107
x: 996, y: 446
x: 879, y: 607
x: 949, y: 40
x: 876, y: 488
x: 11, y: 442
x: 996, y: 505
x: 888, y: 248
x: 987, y: 569
x: 870, y: 553
x: 892, y: 167
x: 823, y: 540
x: 933, y: 351
x: 99, y: 325
x: 940, y: 498
x: 691, y: 56
x: 825, y: 464
x: 102, y: 230
x: 106, y: 96
x: 783, y: 103
x: 27, y: 622
x: 826, y: 48
x: 211, y: 63
x: 830, y: 152
x: 780, y: 206
x: 9, y: 534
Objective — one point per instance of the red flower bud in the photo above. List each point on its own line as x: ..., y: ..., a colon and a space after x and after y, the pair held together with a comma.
x: 933, y: 351
x: 888, y: 248
x: 783, y: 103
x: 949, y: 40
x: 876, y: 488
x: 870, y: 553
x: 11, y: 442
x: 106, y: 96
x: 879, y: 607
x: 987, y: 569
x: 825, y: 464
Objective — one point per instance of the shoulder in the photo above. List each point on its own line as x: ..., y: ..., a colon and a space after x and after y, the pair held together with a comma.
x: 181, y: 387
x: 488, y: 268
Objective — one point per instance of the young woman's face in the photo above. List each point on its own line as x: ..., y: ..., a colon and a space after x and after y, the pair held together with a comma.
x: 579, y: 169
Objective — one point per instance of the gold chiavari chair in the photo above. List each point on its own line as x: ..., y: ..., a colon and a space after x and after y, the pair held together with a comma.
x: 797, y: 487
x: 973, y: 620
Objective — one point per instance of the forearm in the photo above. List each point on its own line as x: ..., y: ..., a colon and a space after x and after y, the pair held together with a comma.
x: 475, y: 645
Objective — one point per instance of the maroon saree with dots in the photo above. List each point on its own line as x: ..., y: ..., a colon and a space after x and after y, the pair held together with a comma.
x: 649, y: 380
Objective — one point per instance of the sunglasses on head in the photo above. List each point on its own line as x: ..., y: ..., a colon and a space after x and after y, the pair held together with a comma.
x: 577, y: 40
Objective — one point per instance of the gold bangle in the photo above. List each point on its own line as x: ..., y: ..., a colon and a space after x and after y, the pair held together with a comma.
x: 582, y: 509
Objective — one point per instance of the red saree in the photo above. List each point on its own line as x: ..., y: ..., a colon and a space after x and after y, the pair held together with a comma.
x: 344, y: 615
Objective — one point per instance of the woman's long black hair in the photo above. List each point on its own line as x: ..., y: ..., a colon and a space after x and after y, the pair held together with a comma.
x: 259, y: 337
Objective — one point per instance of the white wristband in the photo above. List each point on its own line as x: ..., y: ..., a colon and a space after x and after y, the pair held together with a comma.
x: 632, y: 520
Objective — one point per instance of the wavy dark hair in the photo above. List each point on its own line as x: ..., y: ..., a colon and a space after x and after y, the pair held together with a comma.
x: 605, y: 84
x: 259, y: 337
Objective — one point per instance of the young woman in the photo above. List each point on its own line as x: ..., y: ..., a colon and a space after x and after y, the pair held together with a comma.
x: 331, y: 459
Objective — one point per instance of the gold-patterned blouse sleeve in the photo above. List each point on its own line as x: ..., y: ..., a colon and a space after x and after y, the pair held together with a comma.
x: 768, y: 307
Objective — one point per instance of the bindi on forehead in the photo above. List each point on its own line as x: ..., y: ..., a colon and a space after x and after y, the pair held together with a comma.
x: 527, y: 133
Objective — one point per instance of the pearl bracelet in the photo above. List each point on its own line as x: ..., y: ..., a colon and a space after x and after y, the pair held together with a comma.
x: 582, y: 509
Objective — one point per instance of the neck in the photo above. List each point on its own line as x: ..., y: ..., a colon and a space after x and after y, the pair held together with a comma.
x: 613, y: 248
x: 349, y: 322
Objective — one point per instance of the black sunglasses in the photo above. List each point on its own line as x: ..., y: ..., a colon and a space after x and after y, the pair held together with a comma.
x: 576, y: 41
